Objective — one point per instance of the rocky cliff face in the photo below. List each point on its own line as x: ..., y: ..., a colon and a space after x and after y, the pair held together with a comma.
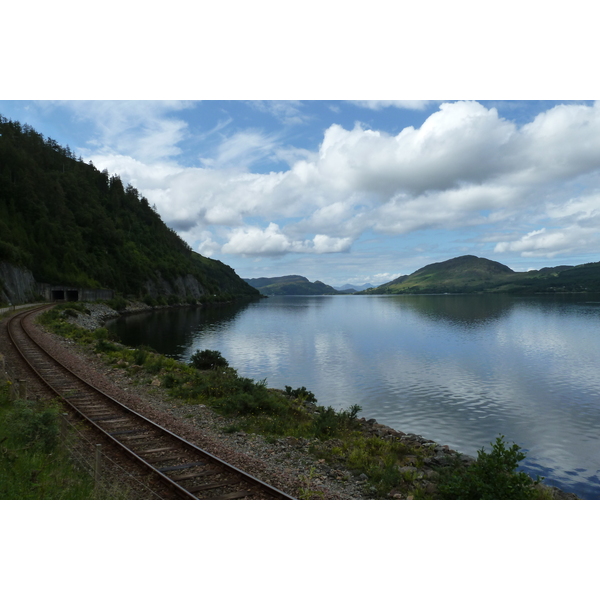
x: 17, y: 285
x: 181, y: 286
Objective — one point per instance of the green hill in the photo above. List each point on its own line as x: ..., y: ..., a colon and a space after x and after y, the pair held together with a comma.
x: 465, y: 273
x: 71, y: 224
x: 470, y: 274
x: 290, y: 285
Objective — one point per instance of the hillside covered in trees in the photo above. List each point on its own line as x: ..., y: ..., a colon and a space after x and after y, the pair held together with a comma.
x: 71, y: 224
x: 471, y: 274
x: 291, y: 285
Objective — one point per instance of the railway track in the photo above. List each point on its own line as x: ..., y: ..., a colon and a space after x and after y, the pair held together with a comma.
x: 188, y: 471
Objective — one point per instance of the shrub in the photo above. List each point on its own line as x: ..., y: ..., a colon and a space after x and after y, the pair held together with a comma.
x: 105, y: 346
x: 330, y: 423
x: 101, y: 333
x: 76, y: 306
x: 154, y: 363
x: 208, y: 359
x: 149, y: 300
x: 301, y: 393
x: 231, y: 429
x: 492, y: 476
x: 351, y: 412
x: 326, y: 423
x: 248, y: 403
x: 169, y: 381
x: 117, y: 303
x: 140, y: 355
x: 34, y: 428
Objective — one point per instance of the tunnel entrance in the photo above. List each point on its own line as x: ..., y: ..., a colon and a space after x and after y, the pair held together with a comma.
x: 68, y: 295
x: 60, y: 293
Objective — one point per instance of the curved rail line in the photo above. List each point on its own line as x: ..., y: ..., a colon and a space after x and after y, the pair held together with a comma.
x: 192, y: 473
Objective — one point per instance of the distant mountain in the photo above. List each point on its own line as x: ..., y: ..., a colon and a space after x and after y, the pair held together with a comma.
x: 349, y: 288
x: 470, y: 274
x: 290, y: 285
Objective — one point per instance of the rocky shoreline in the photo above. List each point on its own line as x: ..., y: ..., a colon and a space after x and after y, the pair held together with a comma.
x: 287, y: 463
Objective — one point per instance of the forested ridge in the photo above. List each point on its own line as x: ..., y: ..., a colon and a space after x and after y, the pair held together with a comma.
x: 71, y: 224
x: 471, y: 274
x: 290, y: 285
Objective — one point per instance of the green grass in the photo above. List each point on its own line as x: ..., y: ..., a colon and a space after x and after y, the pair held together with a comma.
x: 55, y: 320
x: 33, y: 464
x: 379, y: 459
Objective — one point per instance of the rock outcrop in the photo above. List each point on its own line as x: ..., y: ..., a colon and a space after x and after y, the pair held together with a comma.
x: 182, y: 286
x: 17, y: 285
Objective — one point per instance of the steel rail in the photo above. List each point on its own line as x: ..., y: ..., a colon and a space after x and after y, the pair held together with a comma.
x: 18, y: 319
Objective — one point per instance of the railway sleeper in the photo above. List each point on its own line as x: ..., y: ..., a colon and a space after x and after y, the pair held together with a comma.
x: 104, y: 418
x: 87, y: 403
x: 141, y: 449
x: 156, y: 450
x: 100, y: 416
x: 80, y: 400
x: 119, y: 420
x: 181, y: 467
x: 147, y: 436
x: 73, y: 395
x: 124, y: 432
x: 232, y: 496
x: 90, y: 400
x: 163, y: 459
x: 59, y: 387
x: 195, y: 474
x: 212, y: 486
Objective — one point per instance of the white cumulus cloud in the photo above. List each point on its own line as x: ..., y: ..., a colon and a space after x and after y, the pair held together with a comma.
x: 141, y: 130
x: 273, y: 242
x: 544, y: 243
x: 379, y: 104
x: 464, y: 166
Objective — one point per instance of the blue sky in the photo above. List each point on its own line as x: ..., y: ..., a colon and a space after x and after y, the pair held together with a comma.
x: 346, y: 191
x: 199, y: 115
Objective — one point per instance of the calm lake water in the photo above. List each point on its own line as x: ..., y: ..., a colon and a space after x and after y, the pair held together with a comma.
x: 459, y: 370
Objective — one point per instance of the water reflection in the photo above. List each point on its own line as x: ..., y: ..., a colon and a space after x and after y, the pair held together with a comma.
x: 478, y: 311
x: 456, y: 369
x: 172, y: 331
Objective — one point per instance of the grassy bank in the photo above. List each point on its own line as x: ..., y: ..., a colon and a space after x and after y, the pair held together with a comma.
x: 34, y: 464
x: 392, y: 467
